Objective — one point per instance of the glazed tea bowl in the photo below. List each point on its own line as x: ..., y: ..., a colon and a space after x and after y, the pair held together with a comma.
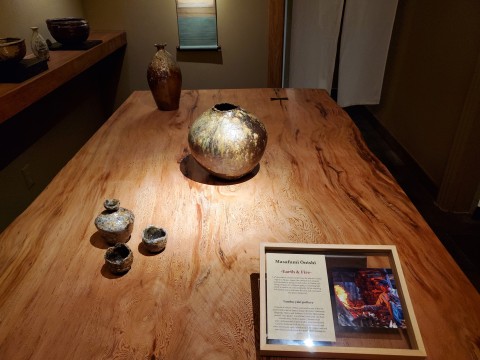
x: 69, y: 30
x: 12, y: 49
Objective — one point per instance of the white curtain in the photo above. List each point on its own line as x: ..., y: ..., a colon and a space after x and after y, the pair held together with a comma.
x: 313, y: 39
x: 366, y: 30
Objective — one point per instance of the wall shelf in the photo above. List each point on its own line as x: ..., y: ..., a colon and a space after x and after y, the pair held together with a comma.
x: 63, y: 66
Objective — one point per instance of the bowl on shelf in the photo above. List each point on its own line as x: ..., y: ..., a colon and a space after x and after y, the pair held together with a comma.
x: 12, y: 49
x: 68, y: 31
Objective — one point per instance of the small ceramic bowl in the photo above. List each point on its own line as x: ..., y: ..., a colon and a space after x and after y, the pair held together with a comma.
x: 12, y: 49
x: 119, y: 258
x: 154, y: 238
x: 69, y: 31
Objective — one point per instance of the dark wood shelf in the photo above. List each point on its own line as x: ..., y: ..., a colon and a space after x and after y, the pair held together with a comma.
x: 62, y: 66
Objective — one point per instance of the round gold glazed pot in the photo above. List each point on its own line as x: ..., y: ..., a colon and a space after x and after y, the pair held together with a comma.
x: 227, y: 141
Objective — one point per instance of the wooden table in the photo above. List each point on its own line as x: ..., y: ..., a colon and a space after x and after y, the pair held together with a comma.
x: 317, y: 183
x: 62, y: 66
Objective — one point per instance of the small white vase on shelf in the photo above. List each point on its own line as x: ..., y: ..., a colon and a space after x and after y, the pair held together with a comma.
x: 39, y: 45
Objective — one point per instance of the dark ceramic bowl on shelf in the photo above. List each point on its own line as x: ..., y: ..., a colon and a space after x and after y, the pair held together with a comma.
x: 12, y: 49
x: 69, y: 31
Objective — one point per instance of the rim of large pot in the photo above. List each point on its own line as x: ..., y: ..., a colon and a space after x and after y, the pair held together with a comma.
x: 225, y: 107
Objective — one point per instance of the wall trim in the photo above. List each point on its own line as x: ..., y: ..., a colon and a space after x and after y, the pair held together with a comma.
x: 276, y: 19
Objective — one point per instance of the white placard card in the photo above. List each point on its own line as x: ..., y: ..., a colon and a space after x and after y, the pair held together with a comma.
x: 298, y: 298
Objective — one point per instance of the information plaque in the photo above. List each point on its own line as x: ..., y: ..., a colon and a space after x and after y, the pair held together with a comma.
x: 298, y: 305
x: 335, y: 301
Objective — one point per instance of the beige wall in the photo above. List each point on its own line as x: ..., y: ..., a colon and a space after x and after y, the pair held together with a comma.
x: 434, y: 48
x: 242, y: 33
x: 17, y: 16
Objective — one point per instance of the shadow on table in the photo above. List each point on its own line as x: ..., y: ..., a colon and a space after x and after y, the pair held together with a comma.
x: 142, y: 249
x: 194, y: 171
x: 98, y: 241
x: 109, y: 275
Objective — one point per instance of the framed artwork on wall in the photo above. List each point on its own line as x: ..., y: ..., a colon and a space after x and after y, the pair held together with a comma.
x: 197, y: 25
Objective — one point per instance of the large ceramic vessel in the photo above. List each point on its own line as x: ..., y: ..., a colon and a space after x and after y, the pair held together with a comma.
x: 227, y: 141
x: 164, y: 79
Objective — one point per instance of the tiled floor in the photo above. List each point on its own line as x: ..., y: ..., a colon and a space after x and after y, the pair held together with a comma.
x: 460, y: 234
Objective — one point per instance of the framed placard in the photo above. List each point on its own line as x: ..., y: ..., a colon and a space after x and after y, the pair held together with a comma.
x: 335, y: 301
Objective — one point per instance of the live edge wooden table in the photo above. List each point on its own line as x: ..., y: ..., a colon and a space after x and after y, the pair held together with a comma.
x: 317, y: 183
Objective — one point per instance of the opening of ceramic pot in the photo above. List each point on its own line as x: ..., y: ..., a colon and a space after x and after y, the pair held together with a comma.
x: 118, y: 254
x: 112, y: 204
x: 225, y: 107
x: 153, y: 233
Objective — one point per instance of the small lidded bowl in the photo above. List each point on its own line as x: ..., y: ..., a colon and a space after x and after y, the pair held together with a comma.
x: 115, y: 223
x: 154, y: 239
x: 119, y: 258
x: 12, y: 49
x: 69, y: 30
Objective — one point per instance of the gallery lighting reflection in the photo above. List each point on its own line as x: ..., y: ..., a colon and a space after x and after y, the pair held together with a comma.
x: 308, y: 342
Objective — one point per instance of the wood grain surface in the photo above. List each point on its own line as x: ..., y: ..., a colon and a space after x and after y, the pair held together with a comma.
x: 198, y: 299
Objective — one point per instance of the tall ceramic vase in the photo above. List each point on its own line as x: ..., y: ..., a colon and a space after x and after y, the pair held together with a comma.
x: 39, y: 45
x: 164, y: 79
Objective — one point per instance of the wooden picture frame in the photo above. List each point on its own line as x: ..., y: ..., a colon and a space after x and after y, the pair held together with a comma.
x: 350, y: 342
